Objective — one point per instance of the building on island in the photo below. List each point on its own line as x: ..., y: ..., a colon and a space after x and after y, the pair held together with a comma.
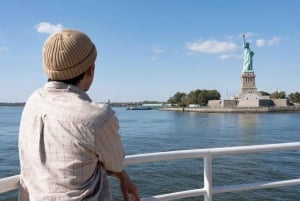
x: 248, y: 95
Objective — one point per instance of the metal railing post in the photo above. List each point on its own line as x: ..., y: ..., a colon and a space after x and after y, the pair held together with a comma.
x: 208, y: 177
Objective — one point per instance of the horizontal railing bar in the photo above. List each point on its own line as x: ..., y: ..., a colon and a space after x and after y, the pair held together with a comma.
x: 176, y: 195
x: 253, y: 186
x: 222, y: 189
x: 9, y: 183
x: 200, y: 153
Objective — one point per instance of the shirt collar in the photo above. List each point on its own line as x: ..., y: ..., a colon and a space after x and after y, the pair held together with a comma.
x: 61, y: 86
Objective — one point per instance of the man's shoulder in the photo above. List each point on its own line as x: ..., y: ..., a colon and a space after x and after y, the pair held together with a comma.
x: 99, y: 111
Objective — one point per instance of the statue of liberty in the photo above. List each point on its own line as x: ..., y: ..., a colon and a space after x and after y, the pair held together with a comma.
x: 248, y: 54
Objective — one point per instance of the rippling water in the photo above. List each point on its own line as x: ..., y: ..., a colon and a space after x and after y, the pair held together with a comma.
x: 154, y: 131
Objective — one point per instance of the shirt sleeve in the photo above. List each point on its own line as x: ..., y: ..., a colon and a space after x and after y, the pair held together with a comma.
x: 108, y: 144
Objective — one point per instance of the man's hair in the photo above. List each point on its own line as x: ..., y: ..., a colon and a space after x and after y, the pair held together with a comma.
x: 73, y: 81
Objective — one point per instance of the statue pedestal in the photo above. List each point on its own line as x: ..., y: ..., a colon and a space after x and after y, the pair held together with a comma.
x: 247, y: 83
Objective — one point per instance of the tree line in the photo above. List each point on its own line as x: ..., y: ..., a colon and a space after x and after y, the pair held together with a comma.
x: 292, y: 97
x: 201, y: 97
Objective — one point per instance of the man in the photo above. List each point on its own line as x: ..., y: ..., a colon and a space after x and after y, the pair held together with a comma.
x: 67, y: 143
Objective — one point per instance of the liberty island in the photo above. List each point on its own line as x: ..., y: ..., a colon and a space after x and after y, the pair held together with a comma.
x: 248, y: 98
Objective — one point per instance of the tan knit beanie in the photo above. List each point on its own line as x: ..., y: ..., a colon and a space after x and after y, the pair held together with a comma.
x: 67, y: 54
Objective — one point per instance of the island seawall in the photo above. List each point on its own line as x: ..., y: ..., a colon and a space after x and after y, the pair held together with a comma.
x: 235, y: 110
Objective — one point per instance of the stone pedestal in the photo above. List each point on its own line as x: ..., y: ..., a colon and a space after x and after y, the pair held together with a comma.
x: 247, y: 83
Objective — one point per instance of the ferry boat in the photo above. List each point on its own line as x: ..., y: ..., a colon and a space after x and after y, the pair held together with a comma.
x: 139, y: 108
x: 208, y: 190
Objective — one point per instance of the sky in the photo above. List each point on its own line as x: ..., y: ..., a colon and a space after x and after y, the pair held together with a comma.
x: 151, y: 49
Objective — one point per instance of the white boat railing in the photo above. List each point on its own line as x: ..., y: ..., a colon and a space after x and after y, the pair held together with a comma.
x: 208, y: 190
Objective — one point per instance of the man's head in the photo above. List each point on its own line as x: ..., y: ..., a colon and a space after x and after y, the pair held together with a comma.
x: 67, y: 54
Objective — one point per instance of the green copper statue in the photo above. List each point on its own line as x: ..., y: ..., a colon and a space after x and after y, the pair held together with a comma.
x: 248, y: 54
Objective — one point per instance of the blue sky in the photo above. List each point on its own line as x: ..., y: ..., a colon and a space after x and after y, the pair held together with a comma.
x: 151, y: 49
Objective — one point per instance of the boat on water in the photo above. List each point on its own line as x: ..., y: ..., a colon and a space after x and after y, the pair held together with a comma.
x: 146, y: 106
x: 139, y: 108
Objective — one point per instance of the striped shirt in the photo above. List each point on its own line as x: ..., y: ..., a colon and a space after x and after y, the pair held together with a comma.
x: 66, y: 145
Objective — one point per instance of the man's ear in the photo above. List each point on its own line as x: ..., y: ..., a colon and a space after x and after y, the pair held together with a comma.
x: 90, y: 70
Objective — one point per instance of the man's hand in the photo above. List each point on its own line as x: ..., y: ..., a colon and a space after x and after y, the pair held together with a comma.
x: 127, y: 187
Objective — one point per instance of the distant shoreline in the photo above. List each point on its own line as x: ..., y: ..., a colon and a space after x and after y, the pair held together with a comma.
x: 236, y: 110
x: 205, y: 109
x: 12, y: 104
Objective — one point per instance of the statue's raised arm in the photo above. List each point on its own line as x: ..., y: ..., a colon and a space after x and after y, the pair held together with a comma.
x: 244, y: 41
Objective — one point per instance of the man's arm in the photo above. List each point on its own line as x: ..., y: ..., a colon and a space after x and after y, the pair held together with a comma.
x: 127, y: 186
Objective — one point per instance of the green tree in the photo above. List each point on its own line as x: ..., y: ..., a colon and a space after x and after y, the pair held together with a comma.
x: 294, y: 97
x: 202, y: 97
x: 198, y: 96
x: 278, y: 94
x: 263, y: 93
x: 178, y: 99
x: 191, y: 98
x: 207, y: 95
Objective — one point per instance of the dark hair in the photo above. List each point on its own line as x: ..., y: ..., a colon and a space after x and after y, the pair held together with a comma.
x: 73, y: 81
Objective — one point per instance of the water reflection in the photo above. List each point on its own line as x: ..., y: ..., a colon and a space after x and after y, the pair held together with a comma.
x: 248, y: 125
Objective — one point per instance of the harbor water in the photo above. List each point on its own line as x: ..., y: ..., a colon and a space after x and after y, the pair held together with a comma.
x: 146, y: 131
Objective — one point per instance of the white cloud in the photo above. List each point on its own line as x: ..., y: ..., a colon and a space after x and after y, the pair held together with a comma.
x: 229, y: 56
x: 46, y: 27
x: 157, y: 51
x: 273, y: 41
x: 211, y: 46
x: 224, y: 56
x: 260, y: 42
